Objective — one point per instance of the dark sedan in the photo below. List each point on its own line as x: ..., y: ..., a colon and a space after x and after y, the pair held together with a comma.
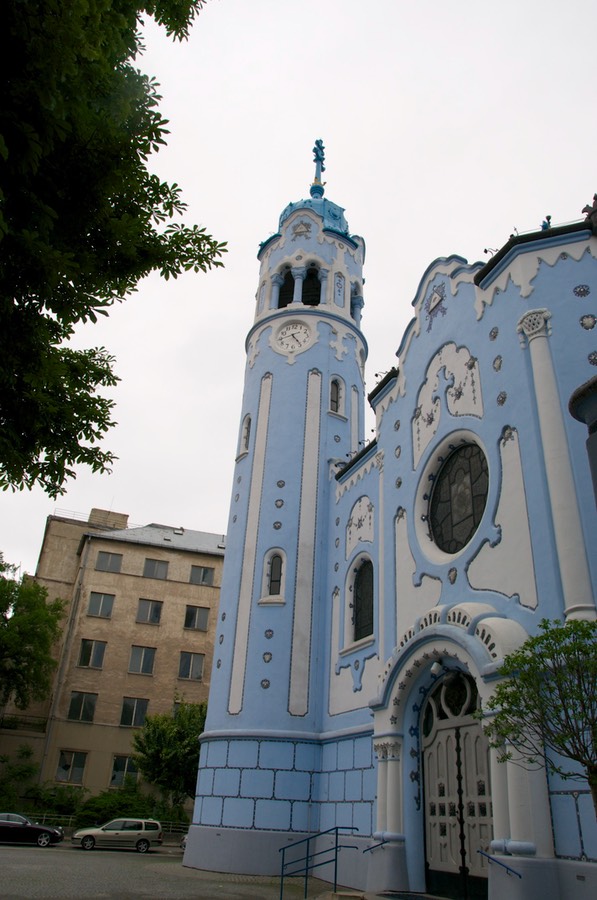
x: 16, y: 829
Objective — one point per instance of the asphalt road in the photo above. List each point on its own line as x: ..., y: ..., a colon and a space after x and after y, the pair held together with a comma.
x: 70, y: 873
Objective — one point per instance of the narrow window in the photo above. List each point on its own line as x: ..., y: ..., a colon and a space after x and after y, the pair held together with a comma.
x: 81, y: 707
x: 134, y: 710
x: 123, y: 767
x: 142, y: 659
x: 191, y: 666
x: 100, y: 605
x: 196, y: 618
x: 108, y: 562
x: 155, y: 568
x: 71, y: 766
x: 149, y: 611
x: 363, y: 601
x: 275, y: 574
x: 335, y: 395
x: 202, y: 575
x: 91, y: 655
x: 311, y: 288
x: 286, y: 290
x: 245, y: 435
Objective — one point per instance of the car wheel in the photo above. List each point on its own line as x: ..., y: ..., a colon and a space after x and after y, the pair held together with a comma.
x: 142, y: 846
x: 43, y: 839
x: 88, y: 843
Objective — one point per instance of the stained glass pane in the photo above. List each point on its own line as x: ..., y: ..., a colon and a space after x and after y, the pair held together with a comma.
x: 459, y: 498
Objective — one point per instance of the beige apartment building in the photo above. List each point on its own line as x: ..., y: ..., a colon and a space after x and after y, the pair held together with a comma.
x: 138, y: 635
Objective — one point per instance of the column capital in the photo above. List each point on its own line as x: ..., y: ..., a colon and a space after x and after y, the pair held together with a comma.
x: 534, y: 323
x: 388, y: 749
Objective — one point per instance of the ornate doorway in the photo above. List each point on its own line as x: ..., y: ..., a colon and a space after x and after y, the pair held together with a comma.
x: 457, y: 796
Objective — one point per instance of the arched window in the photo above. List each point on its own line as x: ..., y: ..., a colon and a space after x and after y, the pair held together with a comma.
x: 286, y: 290
x: 273, y: 578
x: 311, y: 288
x: 275, y: 575
x: 245, y: 435
x: 362, y: 600
x: 335, y: 394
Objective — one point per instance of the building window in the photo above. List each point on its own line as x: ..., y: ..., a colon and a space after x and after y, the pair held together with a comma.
x: 123, y: 767
x: 71, y: 766
x: 92, y: 654
x: 82, y: 706
x: 108, y: 562
x: 286, y: 290
x: 335, y: 395
x: 363, y: 600
x: 275, y: 575
x: 100, y: 605
x: 149, y: 611
x: 134, y: 710
x: 191, y: 666
x: 196, y: 618
x: 245, y: 435
x: 155, y: 568
x: 458, y: 498
x: 311, y: 288
x: 202, y: 575
x: 142, y: 659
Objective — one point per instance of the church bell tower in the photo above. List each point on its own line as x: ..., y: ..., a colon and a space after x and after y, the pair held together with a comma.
x: 302, y: 416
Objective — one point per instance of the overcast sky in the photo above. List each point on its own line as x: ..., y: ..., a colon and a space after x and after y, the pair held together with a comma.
x: 446, y: 126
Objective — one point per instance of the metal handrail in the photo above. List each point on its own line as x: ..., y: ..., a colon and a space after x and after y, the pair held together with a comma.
x: 375, y: 846
x: 308, y: 858
x: 494, y: 859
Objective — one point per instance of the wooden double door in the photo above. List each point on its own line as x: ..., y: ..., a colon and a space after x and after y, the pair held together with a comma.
x: 457, y: 794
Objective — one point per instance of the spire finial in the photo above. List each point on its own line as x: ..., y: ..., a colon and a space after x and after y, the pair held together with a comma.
x: 317, y: 187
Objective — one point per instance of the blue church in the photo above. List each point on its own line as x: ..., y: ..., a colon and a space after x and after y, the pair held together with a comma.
x: 371, y: 590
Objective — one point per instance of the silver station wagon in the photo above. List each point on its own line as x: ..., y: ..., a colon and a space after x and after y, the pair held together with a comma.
x: 134, y: 834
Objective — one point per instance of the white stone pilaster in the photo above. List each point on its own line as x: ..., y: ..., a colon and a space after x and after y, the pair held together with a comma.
x: 574, y: 571
x: 305, y: 563
x: 239, y: 659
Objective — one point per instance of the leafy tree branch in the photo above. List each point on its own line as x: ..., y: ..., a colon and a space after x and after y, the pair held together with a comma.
x: 82, y: 219
x: 545, y: 711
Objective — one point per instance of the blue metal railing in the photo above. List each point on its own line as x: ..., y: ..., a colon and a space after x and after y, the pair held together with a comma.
x: 307, y: 863
x: 374, y: 846
x: 494, y: 859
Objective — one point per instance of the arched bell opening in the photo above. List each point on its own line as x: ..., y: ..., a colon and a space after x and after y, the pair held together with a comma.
x: 311, y: 287
x: 286, y: 290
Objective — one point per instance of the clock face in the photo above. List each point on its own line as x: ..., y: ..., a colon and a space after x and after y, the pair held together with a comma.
x: 292, y: 337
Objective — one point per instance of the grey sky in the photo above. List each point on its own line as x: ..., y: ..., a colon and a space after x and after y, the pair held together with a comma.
x: 446, y: 127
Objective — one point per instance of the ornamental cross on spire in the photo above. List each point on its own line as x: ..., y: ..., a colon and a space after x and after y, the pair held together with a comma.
x: 318, y: 158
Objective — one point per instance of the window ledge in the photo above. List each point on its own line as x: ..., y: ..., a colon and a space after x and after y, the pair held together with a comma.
x: 358, y: 645
x: 273, y: 600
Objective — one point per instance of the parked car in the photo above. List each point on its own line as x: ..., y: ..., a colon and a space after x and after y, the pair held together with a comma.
x: 17, y: 829
x: 137, y: 834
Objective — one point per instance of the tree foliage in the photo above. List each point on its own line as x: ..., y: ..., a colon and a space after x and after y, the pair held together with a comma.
x: 16, y: 773
x: 82, y: 219
x: 545, y: 712
x: 29, y: 627
x: 167, y: 750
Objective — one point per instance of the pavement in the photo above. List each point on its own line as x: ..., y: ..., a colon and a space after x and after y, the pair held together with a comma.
x: 64, y: 872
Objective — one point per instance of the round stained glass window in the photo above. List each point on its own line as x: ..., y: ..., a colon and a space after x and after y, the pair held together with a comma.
x: 459, y: 497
